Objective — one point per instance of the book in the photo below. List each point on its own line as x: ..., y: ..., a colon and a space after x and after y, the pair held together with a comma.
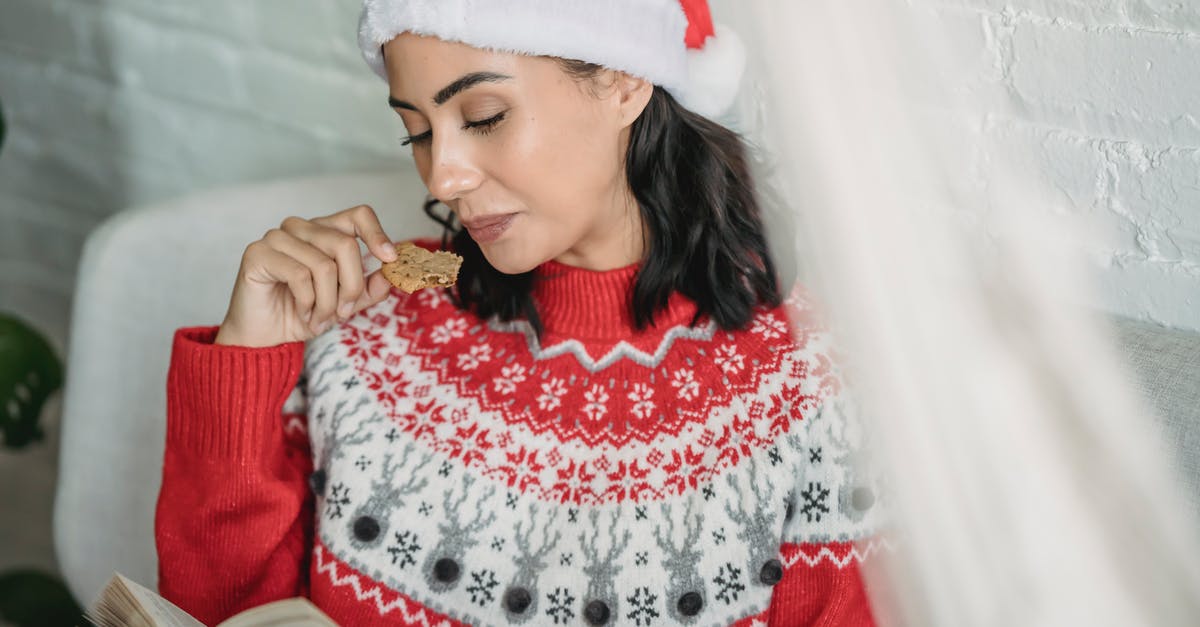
x: 125, y: 603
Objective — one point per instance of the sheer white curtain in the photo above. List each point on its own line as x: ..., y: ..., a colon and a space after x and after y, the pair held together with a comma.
x: 1026, y: 482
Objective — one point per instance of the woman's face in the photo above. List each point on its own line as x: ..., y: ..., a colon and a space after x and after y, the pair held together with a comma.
x: 530, y: 159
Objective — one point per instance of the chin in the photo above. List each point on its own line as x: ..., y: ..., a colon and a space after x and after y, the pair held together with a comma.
x: 511, y: 257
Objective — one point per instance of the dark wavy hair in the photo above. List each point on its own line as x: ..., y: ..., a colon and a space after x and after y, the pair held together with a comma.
x: 703, y: 232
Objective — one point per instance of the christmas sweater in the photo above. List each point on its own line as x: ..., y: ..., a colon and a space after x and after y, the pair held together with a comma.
x: 418, y: 465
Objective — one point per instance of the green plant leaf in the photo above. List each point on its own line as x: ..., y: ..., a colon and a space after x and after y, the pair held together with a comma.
x: 29, y: 597
x: 29, y: 373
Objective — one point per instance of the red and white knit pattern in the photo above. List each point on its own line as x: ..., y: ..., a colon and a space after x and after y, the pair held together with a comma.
x: 456, y: 460
x: 593, y: 442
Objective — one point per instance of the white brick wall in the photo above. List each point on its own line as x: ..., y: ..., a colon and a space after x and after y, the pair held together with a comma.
x: 119, y: 103
x: 1108, y: 100
x: 1104, y: 99
x: 123, y: 102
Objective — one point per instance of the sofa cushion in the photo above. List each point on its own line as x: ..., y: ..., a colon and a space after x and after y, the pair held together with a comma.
x: 1166, y: 365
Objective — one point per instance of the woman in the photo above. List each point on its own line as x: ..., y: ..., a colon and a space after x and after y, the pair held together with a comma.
x: 610, y: 419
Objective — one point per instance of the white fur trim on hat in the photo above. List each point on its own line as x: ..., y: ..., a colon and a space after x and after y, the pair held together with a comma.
x: 714, y: 73
x: 642, y: 37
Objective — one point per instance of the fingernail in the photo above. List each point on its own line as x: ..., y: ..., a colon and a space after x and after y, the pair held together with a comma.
x: 344, y: 310
x: 325, y: 326
x: 389, y: 250
x: 307, y: 316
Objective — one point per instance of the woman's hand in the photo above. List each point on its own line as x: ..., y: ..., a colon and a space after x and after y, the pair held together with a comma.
x: 301, y: 278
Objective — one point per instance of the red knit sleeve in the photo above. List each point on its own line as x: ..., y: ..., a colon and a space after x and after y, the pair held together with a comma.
x: 233, y: 524
x: 822, y: 586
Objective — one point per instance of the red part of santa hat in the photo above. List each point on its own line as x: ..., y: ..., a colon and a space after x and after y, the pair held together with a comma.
x: 672, y: 43
x: 700, y: 24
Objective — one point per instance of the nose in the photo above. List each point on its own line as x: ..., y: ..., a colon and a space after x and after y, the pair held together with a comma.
x: 453, y: 171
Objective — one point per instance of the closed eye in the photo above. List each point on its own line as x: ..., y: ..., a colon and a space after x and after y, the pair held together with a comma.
x: 481, y: 127
x: 485, y: 126
x: 416, y: 139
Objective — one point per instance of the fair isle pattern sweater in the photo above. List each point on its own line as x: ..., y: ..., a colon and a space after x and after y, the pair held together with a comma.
x: 420, y: 466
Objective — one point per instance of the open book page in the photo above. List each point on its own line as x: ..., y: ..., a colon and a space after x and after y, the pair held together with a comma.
x: 297, y: 612
x: 125, y: 603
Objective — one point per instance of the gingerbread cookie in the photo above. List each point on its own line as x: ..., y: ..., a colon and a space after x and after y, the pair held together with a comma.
x: 416, y: 268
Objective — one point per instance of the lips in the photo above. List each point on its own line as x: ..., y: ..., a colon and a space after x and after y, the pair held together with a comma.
x: 485, y: 229
x: 484, y: 222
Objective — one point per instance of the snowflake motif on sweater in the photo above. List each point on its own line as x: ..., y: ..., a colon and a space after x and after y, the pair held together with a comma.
x: 524, y: 480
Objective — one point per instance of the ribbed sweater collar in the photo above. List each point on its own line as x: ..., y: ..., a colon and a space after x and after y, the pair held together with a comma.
x: 595, y: 304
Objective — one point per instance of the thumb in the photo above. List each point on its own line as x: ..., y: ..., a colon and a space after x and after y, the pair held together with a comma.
x: 377, y: 290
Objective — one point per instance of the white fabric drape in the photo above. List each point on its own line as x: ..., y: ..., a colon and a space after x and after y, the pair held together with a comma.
x: 1027, y: 481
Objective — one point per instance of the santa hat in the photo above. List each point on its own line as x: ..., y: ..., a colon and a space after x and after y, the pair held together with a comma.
x: 671, y: 43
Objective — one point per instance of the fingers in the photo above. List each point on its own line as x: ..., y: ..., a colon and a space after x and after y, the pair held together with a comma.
x: 279, y: 267
x: 362, y: 222
x: 325, y: 275
x: 321, y: 264
x: 328, y: 247
x: 341, y: 250
x: 378, y: 289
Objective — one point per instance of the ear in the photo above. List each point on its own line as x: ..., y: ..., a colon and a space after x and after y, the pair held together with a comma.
x: 632, y: 94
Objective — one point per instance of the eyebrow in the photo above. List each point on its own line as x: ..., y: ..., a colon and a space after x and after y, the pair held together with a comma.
x: 453, y: 89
